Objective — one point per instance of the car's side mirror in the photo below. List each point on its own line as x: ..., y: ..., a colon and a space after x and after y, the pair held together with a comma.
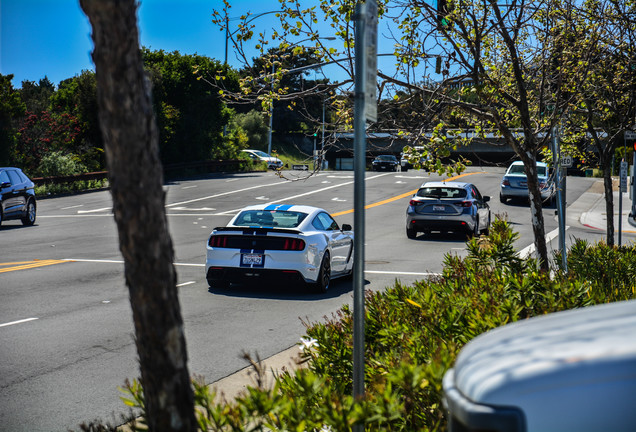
x: 347, y: 227
x: 486, y: 198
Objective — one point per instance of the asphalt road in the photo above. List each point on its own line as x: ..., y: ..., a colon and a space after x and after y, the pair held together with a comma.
x: 66, y: 333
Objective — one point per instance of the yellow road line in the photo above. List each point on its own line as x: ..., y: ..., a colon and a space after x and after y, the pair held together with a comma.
x: 404, y: 195
x: 25, y: 265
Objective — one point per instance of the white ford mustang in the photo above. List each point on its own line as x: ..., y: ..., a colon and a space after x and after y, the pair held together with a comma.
x: 284, y: 243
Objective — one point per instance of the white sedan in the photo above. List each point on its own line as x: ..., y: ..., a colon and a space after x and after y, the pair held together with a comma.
x: 280, y: 242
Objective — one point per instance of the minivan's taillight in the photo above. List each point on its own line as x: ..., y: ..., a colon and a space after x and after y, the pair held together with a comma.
x: 294, y: 244
x: 218, y: 241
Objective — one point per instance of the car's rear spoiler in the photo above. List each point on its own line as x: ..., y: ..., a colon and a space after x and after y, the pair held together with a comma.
x: 258, y: 230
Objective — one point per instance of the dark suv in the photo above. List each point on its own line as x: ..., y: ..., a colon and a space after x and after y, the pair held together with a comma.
x: 17, y: 197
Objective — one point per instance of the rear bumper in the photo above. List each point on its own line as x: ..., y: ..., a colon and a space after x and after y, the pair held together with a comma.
x: 226, y: 275
x: 435, y: 223
x: 513, y: 192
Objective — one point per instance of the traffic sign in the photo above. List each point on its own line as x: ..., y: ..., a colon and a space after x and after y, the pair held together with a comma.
x: 623, y: 176
x: 566, y: 161
x: 629, y: 135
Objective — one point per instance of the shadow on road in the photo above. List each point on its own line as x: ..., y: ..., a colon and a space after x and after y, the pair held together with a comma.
x: 273, y: 291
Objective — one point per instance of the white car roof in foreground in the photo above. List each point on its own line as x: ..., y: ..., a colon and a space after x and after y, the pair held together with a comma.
x: 579, y: 364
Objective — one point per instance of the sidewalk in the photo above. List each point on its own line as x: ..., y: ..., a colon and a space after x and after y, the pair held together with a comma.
x: 591, y: 207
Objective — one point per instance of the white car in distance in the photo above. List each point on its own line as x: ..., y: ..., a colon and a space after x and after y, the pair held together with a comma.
x: 260, y: 156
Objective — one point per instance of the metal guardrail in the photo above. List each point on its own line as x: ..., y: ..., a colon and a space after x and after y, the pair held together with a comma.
x: 209, y: 166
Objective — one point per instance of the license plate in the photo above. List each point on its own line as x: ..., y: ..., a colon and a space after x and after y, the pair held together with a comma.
x: 252, y: 259
x: 438, y: 208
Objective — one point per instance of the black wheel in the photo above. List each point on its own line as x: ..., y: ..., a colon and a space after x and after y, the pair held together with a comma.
x: 411, y: 233
x: 324, y: 275
x: 0, y: 215
x: 29, y: 218
x: 502, y: 198
x: 404, y: 169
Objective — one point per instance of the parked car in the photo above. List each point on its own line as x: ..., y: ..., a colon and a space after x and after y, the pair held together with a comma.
x: 260, y: 156
x: 566, y: 371
x: 514, y: 183
x: 17, y: 196
x: 447, y: 206
x: 385, y: 163
x: 286, y: 243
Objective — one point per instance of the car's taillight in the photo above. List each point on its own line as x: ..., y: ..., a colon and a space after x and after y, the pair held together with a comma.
x: 218, y: 241
x: 505, y: 182
x: 294, y: 244
x: 464, y: 203
x: 413, y: 203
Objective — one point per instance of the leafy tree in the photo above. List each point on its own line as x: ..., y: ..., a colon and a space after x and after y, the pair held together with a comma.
x: 136, y: 178
x: 11, y: 107
x: 254, y: 127
x: 190, y: 115
x: 37, y: 96
x: 78, y: 96
x: 42, y: 133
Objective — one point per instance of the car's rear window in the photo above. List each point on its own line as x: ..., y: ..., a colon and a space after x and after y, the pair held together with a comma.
x: 519, y: 169
x: 266, y: 218
x: 441, y: 192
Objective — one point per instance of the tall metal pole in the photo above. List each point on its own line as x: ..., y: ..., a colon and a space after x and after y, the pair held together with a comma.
x: 271, y: 117
x: 359, y: 162
x: 560, y: 183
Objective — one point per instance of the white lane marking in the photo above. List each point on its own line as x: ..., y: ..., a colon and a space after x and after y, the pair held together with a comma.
x: 529, y: 250
x: 411, y: 177
x: 338, y: 199
x: 402, y: 273
x: 282, y: 200
x: 75, y: 206
x: 203, y: 265
x: 185, y: 283
x: 262, y: 198
x: 122, y: 262
x: 95, y: 210
x: 224, y: 193
x: 189, y: 187
x: 194, y: 209
x: 18, y: 322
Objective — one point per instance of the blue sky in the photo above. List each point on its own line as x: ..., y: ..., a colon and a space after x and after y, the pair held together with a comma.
x: 52, y: 38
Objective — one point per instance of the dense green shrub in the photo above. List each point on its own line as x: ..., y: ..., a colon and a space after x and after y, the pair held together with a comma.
x: 412, y: 336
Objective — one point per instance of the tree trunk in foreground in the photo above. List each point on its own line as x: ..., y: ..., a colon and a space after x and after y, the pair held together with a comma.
x: 136, y: 179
